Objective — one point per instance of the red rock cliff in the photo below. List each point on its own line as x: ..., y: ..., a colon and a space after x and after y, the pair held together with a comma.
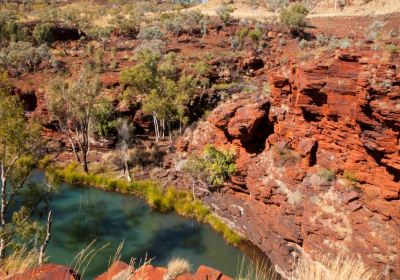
x: 318, y: 160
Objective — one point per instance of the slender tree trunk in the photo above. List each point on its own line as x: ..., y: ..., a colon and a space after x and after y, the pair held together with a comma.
x: 42, y: 249
x: 156, y: 130
x: 84, y: 163
x: 128, y: 176
x: 74, y: 149
x: 163, y: 128
x: 3, y: 209
x: 169, y: 132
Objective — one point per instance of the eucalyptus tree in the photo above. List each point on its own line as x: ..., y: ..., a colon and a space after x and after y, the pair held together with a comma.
x: 73, y: 105
x: 161, y: 88
x: 19, y: 150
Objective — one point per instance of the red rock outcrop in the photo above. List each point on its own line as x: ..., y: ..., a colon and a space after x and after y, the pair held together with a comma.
x: 318, y: 160
x: 118, y: 270
x: 46, y: 272
x: 121, y: 270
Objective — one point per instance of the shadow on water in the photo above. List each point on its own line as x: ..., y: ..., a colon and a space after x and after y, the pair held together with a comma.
x: 182, y: 236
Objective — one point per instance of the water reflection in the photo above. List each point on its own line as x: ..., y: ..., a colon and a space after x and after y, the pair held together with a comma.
x: 82, y: 215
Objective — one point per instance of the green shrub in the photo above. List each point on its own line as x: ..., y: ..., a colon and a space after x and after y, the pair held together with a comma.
x: 186, y: 22
x: 150, y: 33
x: 352, y: 182
x: 10, y: 30
x: 45, y: 161
x: 393, y: 49
x: 242, y: 33
x: 295, y: 17
x: 349, y: 175
x: 214, y: 166
x: 223, y: 86
x: 23, y: 56
x: 42, y: 33
x: 255, y: 36
x: 105, y: 119
x: 225, y: 13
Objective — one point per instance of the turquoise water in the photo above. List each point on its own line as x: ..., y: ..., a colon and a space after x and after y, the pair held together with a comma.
x: 83, y: 214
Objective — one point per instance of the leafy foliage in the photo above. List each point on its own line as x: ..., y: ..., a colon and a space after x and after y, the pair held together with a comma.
x: 295, y: 16
x: 179, y: 22
x: 42, y: 33
x: 10, y: 30
x: 105, y: 123
x: 225, y: 13
x: 23, y: 56
x: 19, y: 147
x: 214, y: 166
x: 150, y: 32
x: 164, y: 92
x: 74, y: 105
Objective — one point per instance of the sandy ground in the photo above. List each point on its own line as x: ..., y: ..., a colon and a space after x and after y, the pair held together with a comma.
x: 323, y: 9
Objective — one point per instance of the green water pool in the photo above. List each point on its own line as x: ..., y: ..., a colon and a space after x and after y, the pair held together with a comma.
x: 83, y: 214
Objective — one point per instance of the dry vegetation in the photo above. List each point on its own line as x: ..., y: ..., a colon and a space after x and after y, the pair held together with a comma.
x: 339, y: 267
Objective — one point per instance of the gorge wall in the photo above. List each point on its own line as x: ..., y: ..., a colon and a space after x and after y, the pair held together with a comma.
x: 318, y: 159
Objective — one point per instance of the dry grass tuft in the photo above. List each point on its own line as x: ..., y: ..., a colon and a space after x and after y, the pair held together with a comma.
x: 340, y: 267
x: 177, y: 267
x: 257, y: 270
x: 19, y: 261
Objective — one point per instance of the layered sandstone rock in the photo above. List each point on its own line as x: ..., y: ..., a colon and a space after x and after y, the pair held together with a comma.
x: 318, y: 160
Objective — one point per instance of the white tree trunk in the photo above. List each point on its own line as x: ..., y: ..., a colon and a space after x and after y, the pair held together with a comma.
x: 3, y: 208
x: 156, y: 129
x: 42, y: 249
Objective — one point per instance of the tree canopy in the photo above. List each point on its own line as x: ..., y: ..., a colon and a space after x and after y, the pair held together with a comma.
x: 19, y: 150
x: 74, y: 105
x: 162, y: 89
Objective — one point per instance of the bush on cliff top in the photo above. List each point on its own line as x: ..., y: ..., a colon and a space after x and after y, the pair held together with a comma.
x: 295, y: 17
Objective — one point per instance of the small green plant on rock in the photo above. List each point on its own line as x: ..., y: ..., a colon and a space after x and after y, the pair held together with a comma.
x: 213, y: 166
x: 325, y: 176
x: 283, y: 155
x: 393, y: 49
x: 351, y: 181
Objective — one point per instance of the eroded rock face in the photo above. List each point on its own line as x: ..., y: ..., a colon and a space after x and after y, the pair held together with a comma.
x: 318, y: 161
